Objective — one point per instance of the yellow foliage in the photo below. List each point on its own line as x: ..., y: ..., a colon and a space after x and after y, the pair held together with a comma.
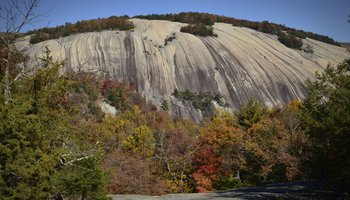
x: 295, y: 106
x: 222, y: 129
x: 141, y: 141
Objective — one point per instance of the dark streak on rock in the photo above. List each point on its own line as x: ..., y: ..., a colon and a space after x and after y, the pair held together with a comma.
x: 130, y: 63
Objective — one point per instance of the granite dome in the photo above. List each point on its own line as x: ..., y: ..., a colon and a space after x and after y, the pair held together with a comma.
x: 239, y: 64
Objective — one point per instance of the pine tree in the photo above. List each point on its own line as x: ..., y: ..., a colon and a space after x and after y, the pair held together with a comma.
x: 326, y: 115
x: 251, y: 113
x: 38, y: 143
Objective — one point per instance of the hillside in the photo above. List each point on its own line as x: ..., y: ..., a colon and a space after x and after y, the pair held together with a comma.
x: 239, y: 64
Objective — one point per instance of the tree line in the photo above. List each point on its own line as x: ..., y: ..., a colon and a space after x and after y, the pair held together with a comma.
x: 264, y: 26
x: 112, y: 23
x: 199, y: 24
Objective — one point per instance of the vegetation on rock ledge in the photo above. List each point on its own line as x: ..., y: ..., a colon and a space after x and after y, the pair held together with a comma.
x: 200, y: 100
x: 199, y: 29
x: 290, y: 40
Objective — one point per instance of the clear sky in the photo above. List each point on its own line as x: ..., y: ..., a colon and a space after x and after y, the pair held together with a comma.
x: 326, y: 17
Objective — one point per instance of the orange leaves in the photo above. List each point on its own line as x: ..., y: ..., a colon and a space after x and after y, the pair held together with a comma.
x: 203, y: 183
x: 208, y: 163
x: 219, y: 153
x: 261, y: 153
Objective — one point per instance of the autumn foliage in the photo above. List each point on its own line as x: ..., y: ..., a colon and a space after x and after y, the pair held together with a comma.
x: 264, y: 26
x: 71, y: 148
x: 111, y: 23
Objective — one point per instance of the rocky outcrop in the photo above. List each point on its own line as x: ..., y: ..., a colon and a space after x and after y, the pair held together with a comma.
x: 239, y: 64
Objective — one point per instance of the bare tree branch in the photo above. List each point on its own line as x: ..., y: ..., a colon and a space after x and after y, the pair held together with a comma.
x: 27, y: 16
x: 16, y: 15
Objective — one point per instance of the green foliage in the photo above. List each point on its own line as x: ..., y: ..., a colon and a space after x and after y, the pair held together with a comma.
x: 30, y: 129
x: 199, y: 29
x: 200, y: 100
x: 27, y: 159
x: 251, y: 113
x: 83, y: 180
x: 112, y: 23
x: 228, y: 182
x: 35, y: 135
x: 169, y: 39
x: 165, y: 105
x: 290, y: 40
x: 326, y: 115
x: 308, y: 49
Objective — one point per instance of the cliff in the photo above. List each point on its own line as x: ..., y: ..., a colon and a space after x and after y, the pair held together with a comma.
x: 239, y: 64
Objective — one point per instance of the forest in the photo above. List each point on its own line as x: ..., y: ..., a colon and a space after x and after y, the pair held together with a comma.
x: 55, y: 140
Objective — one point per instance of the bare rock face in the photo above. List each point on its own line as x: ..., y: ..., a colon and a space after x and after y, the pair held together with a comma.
x: 239, y: 64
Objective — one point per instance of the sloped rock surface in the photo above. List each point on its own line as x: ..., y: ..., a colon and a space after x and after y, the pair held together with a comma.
x: 239, y: 64
x: 291, y: 190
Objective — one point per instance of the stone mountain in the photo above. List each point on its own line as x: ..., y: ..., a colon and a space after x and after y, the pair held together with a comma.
x: 240, y: 64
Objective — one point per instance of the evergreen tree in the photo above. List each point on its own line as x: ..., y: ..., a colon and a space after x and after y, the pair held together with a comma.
x: 38, y: 143
x: 326, y: 115
x: 251, y: 113
x: 165, y: 105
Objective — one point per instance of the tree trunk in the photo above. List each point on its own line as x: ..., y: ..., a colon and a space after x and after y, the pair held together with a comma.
x: 7, y: 78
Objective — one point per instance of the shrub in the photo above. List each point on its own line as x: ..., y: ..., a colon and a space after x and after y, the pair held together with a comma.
x: 290, y: 40
x: 169, y: 39
x: 39, y: 37
x: 199, y: 29
x: 200, y: 100
x: 267, y: 27
x: 308, y: 49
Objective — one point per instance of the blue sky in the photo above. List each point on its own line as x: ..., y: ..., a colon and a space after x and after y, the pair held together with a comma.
x: 327, y: 17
